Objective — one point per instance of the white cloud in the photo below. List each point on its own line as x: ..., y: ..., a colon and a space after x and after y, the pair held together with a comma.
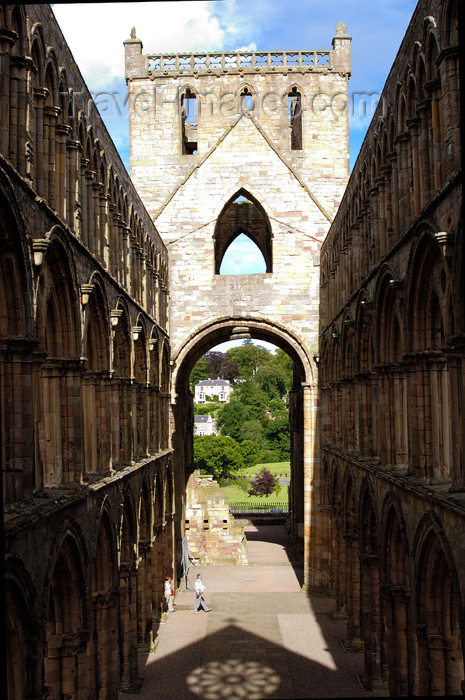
x: 95, y: 33
x: 224, y: 347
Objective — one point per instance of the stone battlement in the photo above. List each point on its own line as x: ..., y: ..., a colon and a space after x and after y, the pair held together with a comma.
x: 335, y: 60
x: 238, y: 62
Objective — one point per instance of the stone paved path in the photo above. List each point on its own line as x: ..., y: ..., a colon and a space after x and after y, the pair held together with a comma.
x: 264, y: 638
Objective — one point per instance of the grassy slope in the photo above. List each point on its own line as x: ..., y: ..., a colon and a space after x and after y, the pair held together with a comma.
x: 233, y: 493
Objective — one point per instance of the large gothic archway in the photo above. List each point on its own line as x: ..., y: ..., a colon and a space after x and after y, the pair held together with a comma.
x: 303, y: 447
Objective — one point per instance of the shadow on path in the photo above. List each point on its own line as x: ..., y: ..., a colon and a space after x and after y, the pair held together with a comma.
x: 268, y: 539
x: 263, y: 639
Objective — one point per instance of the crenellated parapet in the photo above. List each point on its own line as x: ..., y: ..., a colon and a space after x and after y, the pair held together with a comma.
x: 238, y: 62
x: 335, y: 60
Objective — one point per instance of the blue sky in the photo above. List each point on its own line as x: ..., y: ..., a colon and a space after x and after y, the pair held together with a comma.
x: 95, y: 33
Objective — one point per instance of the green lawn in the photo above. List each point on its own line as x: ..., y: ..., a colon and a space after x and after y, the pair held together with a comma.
x: 234, y: 493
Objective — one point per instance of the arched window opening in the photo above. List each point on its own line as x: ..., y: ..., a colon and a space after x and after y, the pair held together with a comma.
x: 243, y: 257
x: 440, y: 660
x: 294, y: 110
x: 242, y: 237
x: 246, y: 101
x: 189, y: 122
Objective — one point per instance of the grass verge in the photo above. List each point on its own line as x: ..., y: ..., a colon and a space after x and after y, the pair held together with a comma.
x: 234, y: 494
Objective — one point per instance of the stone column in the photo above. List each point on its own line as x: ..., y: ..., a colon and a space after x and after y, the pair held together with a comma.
x: 60, y: 184
x: 51, y: 115
x: 339, y: 569
x: 7, y: 41
x: 105, y: 241
x: 374, y: 676
x: 40, y: 95
x: 104, y: 650
x: 97, y: 244
x: 424, y: 145
x: 413, y: 125
x: 90, y: 422
x: 18, y: 118
x: 403, y: 178
x: 395, y: 225
x: 399, y: 416
x: 400, y: 662
x: 449, y: 68
x: 72, y: 217
x: 128, y: 628
x: 311, y: 486
x: 353, y: 642
x: 144, y: 607
x: 440, y: 418
x: 91, y: 201
x: 455, y: 378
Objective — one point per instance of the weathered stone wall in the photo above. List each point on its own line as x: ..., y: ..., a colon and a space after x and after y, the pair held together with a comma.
x: 84, y: 372
x: 391, y: 511
x: 213, y: 536
x: 243, y: 150
x: 243, y: 161
x: 248, y: 149
x: 157, y: 164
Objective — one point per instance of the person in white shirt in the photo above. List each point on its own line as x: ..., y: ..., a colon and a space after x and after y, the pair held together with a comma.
x: 169, y: 594
x: 199, y: 599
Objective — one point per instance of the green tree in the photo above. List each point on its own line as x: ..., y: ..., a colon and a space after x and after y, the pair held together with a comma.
x: 217, y: 455
x: 250, y: 394
x: 252, y: 431
x: 231, y: 417
x: 278, y: 436
x: 250, y: 451
x: 267, y: 456
x: 282, y: 360
x: 200, y: 372
x: 248, y: 357
x: 203, y: 409
x: 272, y: 380
x: 243, y: 484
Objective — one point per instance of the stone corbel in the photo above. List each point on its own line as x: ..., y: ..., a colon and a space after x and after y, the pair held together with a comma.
x: 446, y: 240
x: 86, y: 291
x: 115, y: 315
x: 136, y: 332
x: 397, y: 285
x: 39, y: 248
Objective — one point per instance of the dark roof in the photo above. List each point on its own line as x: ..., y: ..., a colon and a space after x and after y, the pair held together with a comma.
x: 213, y: 382
x: 201, y: 419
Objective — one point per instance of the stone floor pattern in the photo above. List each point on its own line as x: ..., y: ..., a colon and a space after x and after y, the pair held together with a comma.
x: 263, y: 638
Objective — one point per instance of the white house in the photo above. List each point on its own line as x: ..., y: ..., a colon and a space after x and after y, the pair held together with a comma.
x: 222, y: 388
x: 204, y: 425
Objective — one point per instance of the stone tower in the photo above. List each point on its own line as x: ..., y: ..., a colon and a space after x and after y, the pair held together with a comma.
x: 253, y: 143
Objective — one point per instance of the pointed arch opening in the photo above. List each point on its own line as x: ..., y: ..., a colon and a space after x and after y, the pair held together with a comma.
x: 247, y: 100
x: 189, y: 122
x: 243, y: 229
x: 294, y: 108
x: 440, y: 659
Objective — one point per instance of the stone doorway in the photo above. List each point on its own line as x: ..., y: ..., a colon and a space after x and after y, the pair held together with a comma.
x: 299, y: 410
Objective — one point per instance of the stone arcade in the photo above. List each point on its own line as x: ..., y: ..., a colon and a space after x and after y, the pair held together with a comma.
x: 110, y: 290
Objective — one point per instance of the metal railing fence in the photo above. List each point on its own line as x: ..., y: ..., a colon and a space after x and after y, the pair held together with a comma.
x: 268, y: 508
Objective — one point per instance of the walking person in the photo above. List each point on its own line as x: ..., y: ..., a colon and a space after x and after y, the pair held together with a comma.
x: 199, y: 599
x: 169, y: 594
